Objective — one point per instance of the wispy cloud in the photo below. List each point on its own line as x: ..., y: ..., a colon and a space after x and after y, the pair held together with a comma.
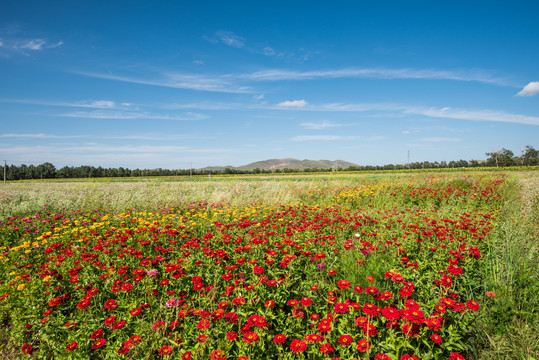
x: 322, y: 138
x: 97, y: 104
x: 145, y: 137
x: 474, y: 115
x: 377, y: 73
x: 125, y: 115
x: 434, y: 112
x: 24, y: 45
x: 292, y: 104
x: 319, y: 126
x: 529, y: 90
x: 178, y: 81
x: 41, y: 136
x: 439, y: 139
x: 230, y: 39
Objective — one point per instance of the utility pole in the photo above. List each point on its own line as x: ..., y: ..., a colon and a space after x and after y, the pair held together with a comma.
x: 5, y: 171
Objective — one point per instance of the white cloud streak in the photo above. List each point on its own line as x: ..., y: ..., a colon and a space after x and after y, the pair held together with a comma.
x: 319, y: 126
x: 124, y: 115
x: 322, y: 138
x: 529, y: 90
x: 97, y: 104
x: 179, y: 81
x: 293, y: 104
x: 230, y: 39
x: 375, y: 73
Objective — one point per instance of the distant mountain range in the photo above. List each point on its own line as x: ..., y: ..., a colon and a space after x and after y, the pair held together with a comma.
x: 289, y: 163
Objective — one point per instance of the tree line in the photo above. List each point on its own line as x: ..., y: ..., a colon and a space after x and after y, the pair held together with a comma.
x: 500, y: 158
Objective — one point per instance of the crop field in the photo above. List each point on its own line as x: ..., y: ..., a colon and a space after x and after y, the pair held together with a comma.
x: 438, y: 265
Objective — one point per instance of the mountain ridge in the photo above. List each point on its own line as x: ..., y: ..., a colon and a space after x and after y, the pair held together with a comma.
x: 290, y: 163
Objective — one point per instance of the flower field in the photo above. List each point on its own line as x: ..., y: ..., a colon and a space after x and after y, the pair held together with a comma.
x: 388, y: 270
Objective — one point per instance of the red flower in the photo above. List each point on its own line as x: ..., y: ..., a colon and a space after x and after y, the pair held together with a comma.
x: 99, y: 343
x: 456, y: 356
x: 127, y: 287
x: 110, y: 320
x: 250, y: 337
x: 118, y: 325
x: 324, y: 326
x: 298, y: 346
x: 409, y: 357
x: 203, y: 325
x: 202, y: 338
x: 136, y: 311
x: 257, y: 320
x: 381, y: 357
x: 436, y: 338
x: 391, y: 313
x: 165, y: 350
x: 96, y: 334
x: 26, y: 348
x: 83, y: 304
x: 306, y: 301
x: 217, y: 354
x: 472, y: 305
x: 279, y: 338
x: 72, y: 346
x: 326, y: 349
x: 358, y: 289
x: 345, y: 340
x: 371, y: 310
x: 186, y: 355
x: 55, y: 302
x: 371, y: 290
x: 231, y: 335
x: 111, y: 304
x: 258, y: 270
x: 343, y: 284
x: 363, y: 345
x: 124, y: 349
x: 341, y: 308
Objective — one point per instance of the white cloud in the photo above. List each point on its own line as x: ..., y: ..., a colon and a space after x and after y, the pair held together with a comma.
x: 101, y: 104
x: 98, y: 104
x: 268, y: 51
x: 405, y: 131
x: 529, y: 90
x: 180, y: 81
x: 439, y: 139
x: 124, y: 115
x: 475, y: 115
x: 230, y: 39
x: 293, y: 104
x: 445, y: 112
x: 319, y: 126
x: 377, y: 73
x: 41, y: 136
x: 35, y: 44
x: 322, y: 138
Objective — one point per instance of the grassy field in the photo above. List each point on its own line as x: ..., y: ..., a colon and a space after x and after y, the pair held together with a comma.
x: 357, y: 221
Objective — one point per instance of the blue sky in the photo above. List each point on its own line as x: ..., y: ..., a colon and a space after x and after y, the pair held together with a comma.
x: 148, y: 84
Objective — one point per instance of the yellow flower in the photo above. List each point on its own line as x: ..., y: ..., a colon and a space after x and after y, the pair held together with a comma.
x: 21, y: 287
x: 46, y: 278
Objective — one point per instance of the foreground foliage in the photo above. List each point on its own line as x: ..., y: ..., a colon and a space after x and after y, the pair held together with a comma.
x: 388, y: 271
